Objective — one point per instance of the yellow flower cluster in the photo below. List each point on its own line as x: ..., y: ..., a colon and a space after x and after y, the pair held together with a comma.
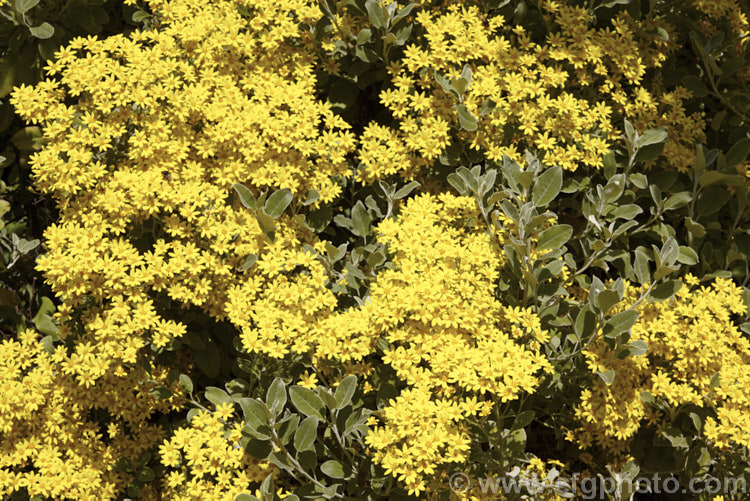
x: 207, y: 100
x: 165, y: 121
x: 691, y: 338
x: 521, y: 93
x: 58, y: 437
x: 207, y: 460
x: 729, y: 9
x: 422, y: 434
x: 450, y: 340
x: 282, y: 306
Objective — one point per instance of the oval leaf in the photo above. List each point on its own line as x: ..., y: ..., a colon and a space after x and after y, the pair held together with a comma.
x: 306, y: 434
x: 345, y: 391
x: 186, y: 383
x: 43, y: 31
x: 360, y: 220
x: 217, y: 396
x: 255, y: 415
x: 333, y: 469
x: 619, y: 323
x: 278, y: 202
x: 306, y: 401
x: 246, y: 196
x: 554, y: 237
x: 738, y: 153
x: 652, y: 136
x: 465, y: 118
x: 547, y: 187
x: 276, y: 395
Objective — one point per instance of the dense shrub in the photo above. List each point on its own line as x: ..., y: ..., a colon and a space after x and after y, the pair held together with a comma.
x: 345, y: 250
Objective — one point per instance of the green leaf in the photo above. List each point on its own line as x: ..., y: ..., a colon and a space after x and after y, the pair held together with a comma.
x: 209, y: 359
x: 364, y: 36
x: 404, y: 12
x: 663, y: 271
x: 611, y: 3
x: 607, y: 299
x: 607, y: 376
x: 458, y: 183
x: 246, y: 196
x: 525, y: 178
x: 376, y: 14
x: 554, y: 237
x: 585, y: 322
x: 712, y: 176
x: 523, y: 419
x: 276, y: 395
x: 488, y: 106
x: 306, y: 434
x: 311, y: 197
x: 687, y: 256
x: 266, y: 224
x: 652, y: 136
x: 636, y: 348
x: 695, y: 85
x: 245, y: 497
x: 25, y: 246
x: 699, y: 164
x: 267, y: 488
x: 614, y: 188
x: 610, y: 165
x: 547, y: 187
x: 641, y: 267
x: 466, y: 119
x: 666, y: 290
x: 669, y: 252
x: 327, y: 398
x: 639, y: 180
x: 23, y: 6
x: 28, y: 138
x: 319, y: 219
x: 345, y: 391
x: 627, y: 211
x: 445, y: 84
x: 161, y: 392
x: 43, y: 31
x: 738, y: 153
x: 140, y: 16
x: 511, y: 171
x: 306, y: 401
x: 278, y: 202
x: 678, y: 200
x: 647, y: 397
x: 360, y: 220
x: 186, y: 383
x: 649, y: 152
x: 696, y: 229
x: 675, y: 437
x: 254, y: 413
x: 620, y: 323
x: 333, y: 469
x: 405, y: 190
x: 217, y: 396
x: 145, y: 475
x: 43, y: 318
x: 248, y: 262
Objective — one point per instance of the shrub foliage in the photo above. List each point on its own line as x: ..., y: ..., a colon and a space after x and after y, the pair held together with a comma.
x: 344, y: 250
